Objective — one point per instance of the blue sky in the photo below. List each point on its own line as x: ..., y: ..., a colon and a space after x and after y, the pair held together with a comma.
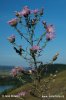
x: 54, y: 13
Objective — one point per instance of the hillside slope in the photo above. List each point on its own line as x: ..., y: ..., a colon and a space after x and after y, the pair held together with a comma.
x: 57, y: 88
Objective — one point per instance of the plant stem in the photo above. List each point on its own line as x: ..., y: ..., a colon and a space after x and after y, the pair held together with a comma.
x: 22, y: 35
x: 41, y: 37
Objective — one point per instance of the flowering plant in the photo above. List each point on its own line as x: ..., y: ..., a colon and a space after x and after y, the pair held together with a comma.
x: 28, y: 20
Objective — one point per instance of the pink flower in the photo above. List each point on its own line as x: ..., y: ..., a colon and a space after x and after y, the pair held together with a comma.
x: 11, y: 39
x: 13, y: 22
x: 23, y: 93
x: 14, y: 72
x: 50, y: 29
x: 25, y: 12
x: 35, y: 48
x: 50, y: 36
x: 34, y: 11
x: 19, y: 69
x: 50, y: 32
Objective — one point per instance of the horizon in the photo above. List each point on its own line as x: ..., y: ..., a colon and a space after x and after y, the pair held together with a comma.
x: 29, y: 66
x: 54, y: 13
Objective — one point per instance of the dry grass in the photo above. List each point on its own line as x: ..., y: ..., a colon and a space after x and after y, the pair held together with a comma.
x: 56, y: 88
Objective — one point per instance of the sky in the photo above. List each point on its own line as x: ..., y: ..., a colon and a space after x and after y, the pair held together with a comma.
x: 54, y: 13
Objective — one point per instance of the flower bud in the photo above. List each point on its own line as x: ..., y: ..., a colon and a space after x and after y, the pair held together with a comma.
x: 44, y: 23
x: 41, y: 11
x: 55, y: 57
x: 11, y: 39
x: 13, y: 22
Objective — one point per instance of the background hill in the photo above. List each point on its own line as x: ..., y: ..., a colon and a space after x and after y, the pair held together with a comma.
x: 57, y: 88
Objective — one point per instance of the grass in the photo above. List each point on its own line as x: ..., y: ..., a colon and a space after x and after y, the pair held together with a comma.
x: 58, y: 87
x: 4, y: 73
